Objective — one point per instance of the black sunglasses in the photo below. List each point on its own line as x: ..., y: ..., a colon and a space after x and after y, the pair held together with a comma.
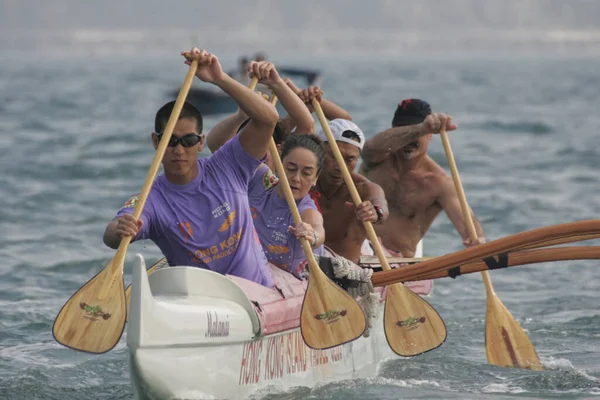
x: 189, y: 140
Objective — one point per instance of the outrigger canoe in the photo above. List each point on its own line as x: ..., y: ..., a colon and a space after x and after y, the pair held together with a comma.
x: 194, y: 333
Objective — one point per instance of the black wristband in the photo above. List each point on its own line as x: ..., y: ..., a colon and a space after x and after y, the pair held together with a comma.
x: 379, y: 212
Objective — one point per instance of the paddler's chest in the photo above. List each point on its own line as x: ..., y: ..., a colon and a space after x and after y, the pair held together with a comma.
x: 336, y: 213
x: 412, y: 194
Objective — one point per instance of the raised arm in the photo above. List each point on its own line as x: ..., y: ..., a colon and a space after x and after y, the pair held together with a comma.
x: 224, y: 130
x: 381, y: 146
x: 451, y: 205
x: 255, y: 136
x: 330, y: 109
x: 294, y: 106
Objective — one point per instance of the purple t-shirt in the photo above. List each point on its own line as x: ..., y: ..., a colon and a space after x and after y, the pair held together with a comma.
x: 272, y: 217
x: 207, y: 223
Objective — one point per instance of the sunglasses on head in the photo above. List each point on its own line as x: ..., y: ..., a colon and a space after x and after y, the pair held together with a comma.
x: 188, y: 140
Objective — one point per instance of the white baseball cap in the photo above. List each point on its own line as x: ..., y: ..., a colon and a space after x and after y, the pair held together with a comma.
x: 338, y: 126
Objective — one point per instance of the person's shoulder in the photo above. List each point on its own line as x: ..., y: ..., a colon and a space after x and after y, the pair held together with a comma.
x: 438, y: 181
x: 359, y: 179
x: 230, y: 144
x: 225, y: 156
x: 262, y: 169
x: 261, y: 184
x: 131, y: 202
x: 436, y: 173
x: 265, y: 175
x: 364, y: 185
x: 307, y: 202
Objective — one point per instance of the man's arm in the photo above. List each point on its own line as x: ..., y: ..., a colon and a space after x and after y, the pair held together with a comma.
x: 119, y: 227
x: 381, y: 146
x: 330, y: 109
x: 295, y: 107
x: 315, y: 220
x: 372, y: 196
x: 257, y: 133
x: 225, y: 130
x: 451, y: 205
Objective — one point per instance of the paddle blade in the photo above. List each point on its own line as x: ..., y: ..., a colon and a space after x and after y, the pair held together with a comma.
x: 88, y: 324
x: 412, y: 326
x: 330, y: 317
x: 506, y: 344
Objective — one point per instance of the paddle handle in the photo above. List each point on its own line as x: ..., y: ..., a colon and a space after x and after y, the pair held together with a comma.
x: 289, y: 197
x: 458, y: 185
x: 253, y: 83
x: 463, y: 202
x: 350, y: 184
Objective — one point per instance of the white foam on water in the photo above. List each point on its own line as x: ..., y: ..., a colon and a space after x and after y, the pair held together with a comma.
x: 564, y: 364
x: 408, y: 383
x: 420, y: 382
x: 30, y: 354
x: 502, y: 388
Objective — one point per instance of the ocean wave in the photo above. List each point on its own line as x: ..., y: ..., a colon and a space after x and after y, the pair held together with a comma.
x: 522, y: 126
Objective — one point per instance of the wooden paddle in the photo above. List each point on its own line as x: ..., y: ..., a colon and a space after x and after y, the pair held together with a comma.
x: 252, y: 86
x: 412, y: 326
x: 93, y: 319
x: 330, y: 316
x: 506, y: 343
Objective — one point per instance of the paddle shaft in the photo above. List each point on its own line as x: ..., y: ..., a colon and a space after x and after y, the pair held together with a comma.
x: 463, y: 203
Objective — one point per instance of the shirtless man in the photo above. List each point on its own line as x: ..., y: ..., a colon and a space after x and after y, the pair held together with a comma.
x: 417, y: 189
x: 344, y: 230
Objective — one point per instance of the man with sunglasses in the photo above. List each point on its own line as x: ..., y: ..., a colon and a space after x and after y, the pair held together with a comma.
x: 197, y: 212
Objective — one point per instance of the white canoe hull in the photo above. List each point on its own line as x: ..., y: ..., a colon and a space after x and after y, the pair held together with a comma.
x: 193, y: 333
x: 235, y: 370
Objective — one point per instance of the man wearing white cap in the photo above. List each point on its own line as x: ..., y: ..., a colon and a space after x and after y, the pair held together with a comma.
x: 344, y: 230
